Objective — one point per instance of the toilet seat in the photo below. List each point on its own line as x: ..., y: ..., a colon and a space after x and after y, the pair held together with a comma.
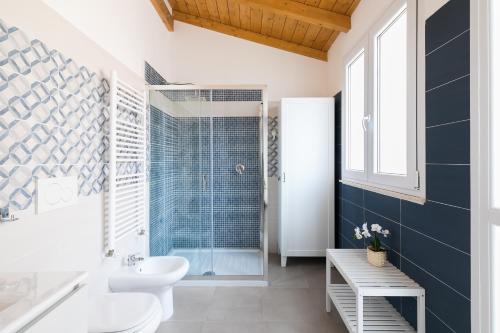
x: 124, y: 313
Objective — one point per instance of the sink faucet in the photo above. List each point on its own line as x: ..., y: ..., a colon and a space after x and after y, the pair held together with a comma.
x: 132, y: 259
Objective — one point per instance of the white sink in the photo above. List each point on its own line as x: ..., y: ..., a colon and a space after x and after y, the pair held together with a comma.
x: 7, y: 299
x: 26, y: 295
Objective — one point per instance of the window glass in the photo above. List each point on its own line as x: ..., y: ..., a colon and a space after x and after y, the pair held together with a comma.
x: 390, y: 97
x: 355, y: 113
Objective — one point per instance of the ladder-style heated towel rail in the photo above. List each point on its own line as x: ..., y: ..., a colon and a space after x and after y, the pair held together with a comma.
x: 127, y: 164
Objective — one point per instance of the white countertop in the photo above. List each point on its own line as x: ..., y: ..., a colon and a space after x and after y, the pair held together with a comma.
x: 24, y: 296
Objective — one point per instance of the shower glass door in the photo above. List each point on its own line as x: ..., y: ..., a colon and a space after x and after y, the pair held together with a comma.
x: 179, y: 184
x: 206, y: 180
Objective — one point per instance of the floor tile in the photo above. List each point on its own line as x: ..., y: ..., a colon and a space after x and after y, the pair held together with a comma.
x: 234, y: 327
x: 180, y: 327
x: 293, y: 303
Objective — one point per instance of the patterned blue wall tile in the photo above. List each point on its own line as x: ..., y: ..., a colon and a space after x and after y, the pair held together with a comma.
x: 53, y: 119
x: 272, y: 147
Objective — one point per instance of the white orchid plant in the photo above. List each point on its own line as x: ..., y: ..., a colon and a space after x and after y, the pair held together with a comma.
x: 376, y: 229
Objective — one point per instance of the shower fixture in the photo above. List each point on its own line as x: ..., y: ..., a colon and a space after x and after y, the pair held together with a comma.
x: 240, y: 168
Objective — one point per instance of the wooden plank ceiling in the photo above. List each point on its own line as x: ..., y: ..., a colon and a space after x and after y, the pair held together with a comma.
x: 306, y: 27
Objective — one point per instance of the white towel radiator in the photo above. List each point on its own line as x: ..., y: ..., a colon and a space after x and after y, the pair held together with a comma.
x: 127, y: 206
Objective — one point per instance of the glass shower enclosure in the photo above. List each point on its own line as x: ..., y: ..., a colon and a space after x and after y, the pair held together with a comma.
x: 207, y: 179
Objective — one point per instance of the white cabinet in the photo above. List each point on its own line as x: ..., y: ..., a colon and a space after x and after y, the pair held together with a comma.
x: 68, y: 315
x: 307, y: 165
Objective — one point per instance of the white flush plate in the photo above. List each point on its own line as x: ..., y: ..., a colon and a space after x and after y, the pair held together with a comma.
x: 53, y: 193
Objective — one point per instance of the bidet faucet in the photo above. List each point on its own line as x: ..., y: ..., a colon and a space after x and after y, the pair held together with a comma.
x: 132, y: 259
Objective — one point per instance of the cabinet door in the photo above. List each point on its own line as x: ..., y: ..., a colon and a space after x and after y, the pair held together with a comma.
x: 307, y: 163
x: 68, y: 315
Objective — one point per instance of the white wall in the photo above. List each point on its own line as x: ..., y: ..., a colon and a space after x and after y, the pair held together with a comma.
x: 130, y: 30
x: 365, y: 15
x: 70, y: 238
x: 203, y: 56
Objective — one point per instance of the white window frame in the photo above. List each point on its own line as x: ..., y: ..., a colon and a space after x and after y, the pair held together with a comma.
x: 484, y: 215
x: 412, y: 186
x: 361, y: 47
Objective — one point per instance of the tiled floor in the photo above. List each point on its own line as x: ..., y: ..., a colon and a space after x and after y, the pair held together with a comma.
x: 294, y: 303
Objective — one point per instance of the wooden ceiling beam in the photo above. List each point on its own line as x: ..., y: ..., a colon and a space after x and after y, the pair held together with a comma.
x: 309, y: 14
x: 164, y: 13
x: 250, y: 35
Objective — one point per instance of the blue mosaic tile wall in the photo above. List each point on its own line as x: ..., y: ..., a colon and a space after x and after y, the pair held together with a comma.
x: 431, y: 242
x: 180, y: 181
x: 181, y: 184
x: 53, y: 119
x: 192, y: 226
x: 236, y: 202
x: 152, y: 76
x: 237, y: 198
x: 163, y: 131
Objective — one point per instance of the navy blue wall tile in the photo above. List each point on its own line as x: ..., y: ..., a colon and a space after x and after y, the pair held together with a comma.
x: 448, y: 63
x: 451, y: 307
x: 448, y: 144
x: 347, y: 229
x: 393, y: 241
x: 353, y: 213
x: 449, y: 184
x: 348, y: 243
x: 449, y: 103
x: 447, y: 23
x: 432, y: 323
x: 353, y: 194
x: 448, y: 224
x: 436, y: 235
x: 383, y: 205
x: 394, y: 258
x: 445, y: 263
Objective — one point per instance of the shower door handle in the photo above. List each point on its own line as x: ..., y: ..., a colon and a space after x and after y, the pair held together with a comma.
x: 204, y: 182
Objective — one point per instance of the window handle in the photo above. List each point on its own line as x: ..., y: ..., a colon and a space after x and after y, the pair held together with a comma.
x: 364, y: 122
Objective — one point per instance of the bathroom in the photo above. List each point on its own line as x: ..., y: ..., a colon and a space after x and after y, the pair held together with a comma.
x: 192, y: 166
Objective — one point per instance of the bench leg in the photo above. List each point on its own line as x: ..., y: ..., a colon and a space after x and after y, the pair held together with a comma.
x: 328, y: 281
x: 421, y: 314
x: 359, y: 313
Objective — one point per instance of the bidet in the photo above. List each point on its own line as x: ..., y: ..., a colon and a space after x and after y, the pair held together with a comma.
x: 155, y: 275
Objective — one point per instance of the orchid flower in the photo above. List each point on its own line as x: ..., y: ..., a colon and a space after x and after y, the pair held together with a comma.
x: 375, y: 228
x: 357, y: 233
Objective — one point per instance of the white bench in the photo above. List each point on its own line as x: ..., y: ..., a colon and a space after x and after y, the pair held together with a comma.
x: 362, y: 300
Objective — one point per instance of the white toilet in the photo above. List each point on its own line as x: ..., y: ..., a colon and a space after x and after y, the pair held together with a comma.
x: 124, y: 313
x: 155, y: 275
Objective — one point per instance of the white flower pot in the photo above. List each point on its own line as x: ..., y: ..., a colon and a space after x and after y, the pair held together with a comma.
x: 376, y: 258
